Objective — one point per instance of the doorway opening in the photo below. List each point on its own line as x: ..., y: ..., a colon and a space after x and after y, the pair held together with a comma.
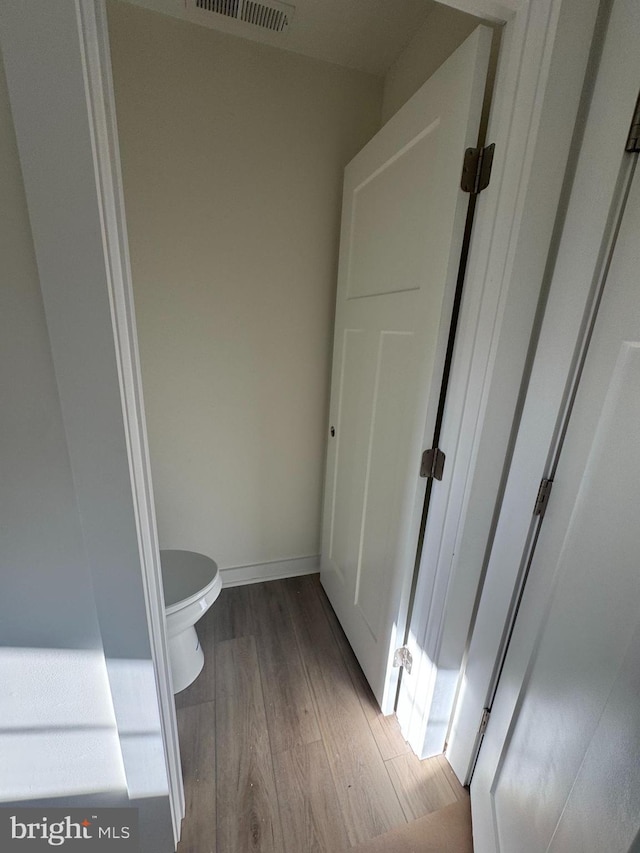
x: 218, y: 336
x: 232, y: 157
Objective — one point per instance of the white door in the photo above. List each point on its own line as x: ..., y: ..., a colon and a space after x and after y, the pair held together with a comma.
x: 591, y: 216
x: 402, y: 227
x: 562, y: 773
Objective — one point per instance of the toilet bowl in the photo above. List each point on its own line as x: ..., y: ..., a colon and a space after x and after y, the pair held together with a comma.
x: 191, y: 584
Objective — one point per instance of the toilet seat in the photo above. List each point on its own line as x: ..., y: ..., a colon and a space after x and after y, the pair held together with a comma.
x: 186, y: 578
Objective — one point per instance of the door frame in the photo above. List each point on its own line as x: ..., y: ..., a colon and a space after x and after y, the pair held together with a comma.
x: 61, y: 93
x: 101, y: 108
x: 580, y: 267
x: 539, y: 85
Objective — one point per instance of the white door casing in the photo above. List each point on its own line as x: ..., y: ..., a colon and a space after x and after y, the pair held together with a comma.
x: 579, y: 263
x: 558, y: 768
x: 402, y: 227
x: 541, y: 70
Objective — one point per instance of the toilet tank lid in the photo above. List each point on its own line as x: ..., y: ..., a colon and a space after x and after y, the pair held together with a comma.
x: 184, y: 574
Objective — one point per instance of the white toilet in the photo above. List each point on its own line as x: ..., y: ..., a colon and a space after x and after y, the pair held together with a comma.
x: 191, y: 584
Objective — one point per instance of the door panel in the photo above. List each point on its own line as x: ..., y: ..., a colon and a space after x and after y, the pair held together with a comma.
x: 388, y: 212
x: 568, y: 768
x: 402, y: 227
x: 383, y: 474
x: 609, y: 779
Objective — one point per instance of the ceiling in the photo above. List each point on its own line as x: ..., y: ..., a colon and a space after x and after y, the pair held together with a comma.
x: 363, y: 34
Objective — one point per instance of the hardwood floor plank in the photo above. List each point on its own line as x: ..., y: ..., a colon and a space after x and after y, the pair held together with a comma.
x: 291, y: 717
x: 309, y: 809
x: 231, y: 614
x: 203, y: 688
x: 386, y: 730
x: 422, y: 786
x: 248, y: 819
x: 367, y: 799
x: 445, y: 831
x: 458, y: 789
x: 196, y: 732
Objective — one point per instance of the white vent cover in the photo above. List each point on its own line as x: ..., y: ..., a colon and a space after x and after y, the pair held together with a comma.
x: 268, y: 14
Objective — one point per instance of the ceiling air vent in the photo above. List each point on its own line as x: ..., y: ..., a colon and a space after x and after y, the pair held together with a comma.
x: 268, y: 14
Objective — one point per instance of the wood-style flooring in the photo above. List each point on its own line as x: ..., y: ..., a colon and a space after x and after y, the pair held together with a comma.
x: 284, y: 749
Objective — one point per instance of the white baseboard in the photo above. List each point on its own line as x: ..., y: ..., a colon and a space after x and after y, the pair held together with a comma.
x: 274, y: 570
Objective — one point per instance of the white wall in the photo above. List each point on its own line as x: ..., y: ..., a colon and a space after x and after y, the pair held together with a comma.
x: 232, y: 157
x: 442, y: 32
x: 58, y: 735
